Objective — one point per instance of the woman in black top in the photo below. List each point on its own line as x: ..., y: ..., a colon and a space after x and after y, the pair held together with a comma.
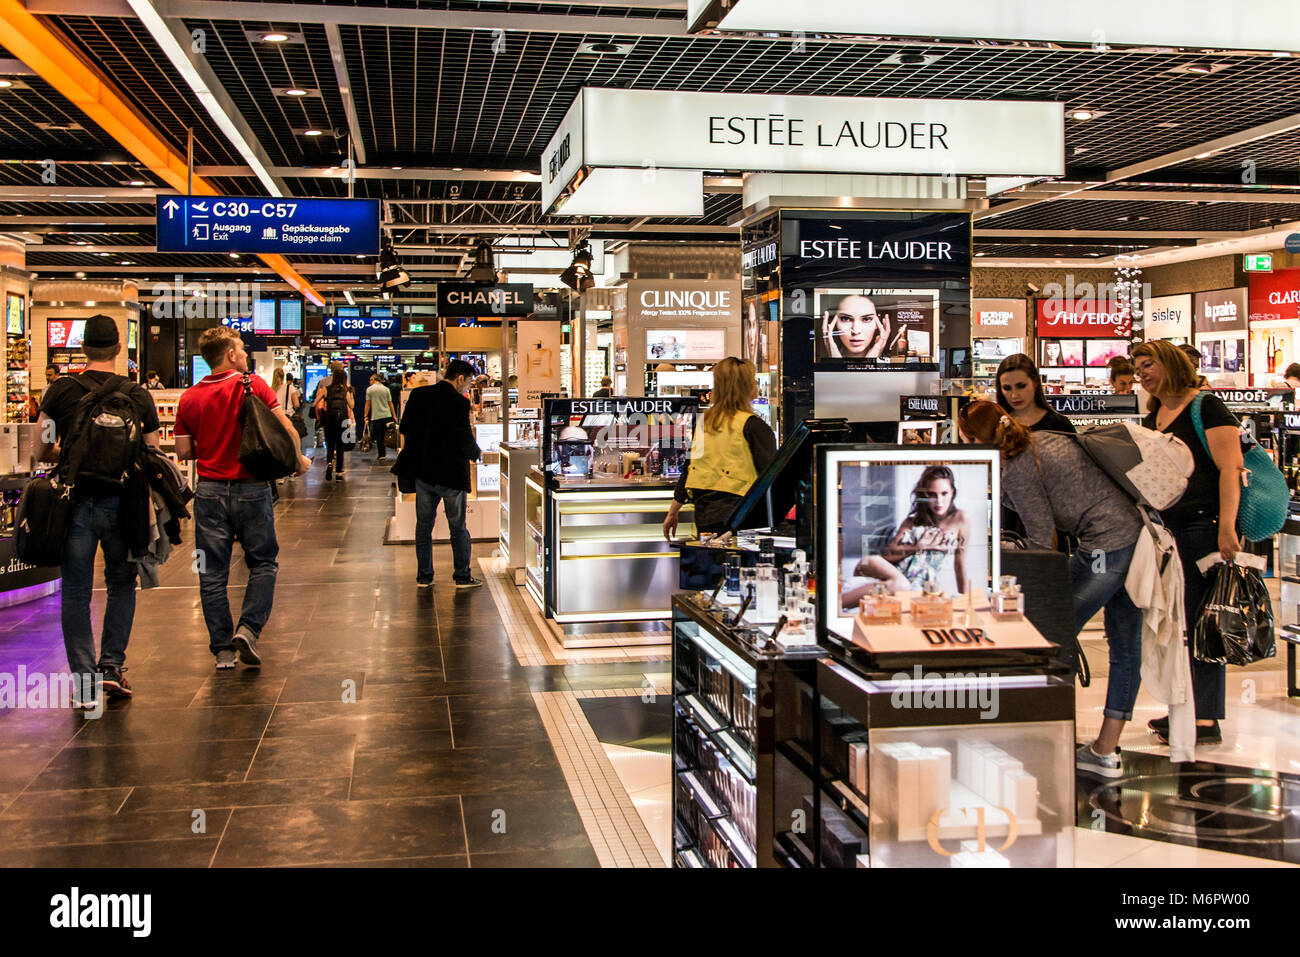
x: 1020, y: 393
x: 1204, y: 520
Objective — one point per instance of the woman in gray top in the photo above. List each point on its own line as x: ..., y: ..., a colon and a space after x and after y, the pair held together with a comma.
x: 1052, y: 483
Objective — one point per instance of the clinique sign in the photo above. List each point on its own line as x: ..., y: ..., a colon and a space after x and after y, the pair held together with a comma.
x: 686, y: 299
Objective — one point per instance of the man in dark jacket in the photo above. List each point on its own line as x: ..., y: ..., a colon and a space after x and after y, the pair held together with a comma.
x: 438, y: 449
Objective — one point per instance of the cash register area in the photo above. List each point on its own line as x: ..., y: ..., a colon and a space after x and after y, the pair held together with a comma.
x: 469, y: 703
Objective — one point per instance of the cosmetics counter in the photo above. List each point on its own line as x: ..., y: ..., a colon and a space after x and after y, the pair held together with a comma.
x: 1287, y: 624
x: 594, y: 508
x: 19, y: 582
x: 935, y: 723
x: 1084, y: 409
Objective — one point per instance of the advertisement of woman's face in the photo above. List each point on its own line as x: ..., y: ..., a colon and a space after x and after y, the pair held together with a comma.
x: 854, y: 329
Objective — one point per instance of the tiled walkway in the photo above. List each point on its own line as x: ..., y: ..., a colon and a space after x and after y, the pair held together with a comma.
x: 388, y: 725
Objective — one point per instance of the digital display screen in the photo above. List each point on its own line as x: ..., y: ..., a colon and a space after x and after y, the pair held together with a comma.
x: 14, y: 324
x: 65, y: 333
x: 290, y: 317
x: 348, y: 312
x: 1101, y: 351
x: 132, y: 333
x: 264, y: 317
x: 380, y: 312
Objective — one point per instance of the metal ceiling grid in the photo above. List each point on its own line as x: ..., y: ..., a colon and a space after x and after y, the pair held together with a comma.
x: 56, y: 211
x: 1068, y: 215
x: 1278, y: 154
x: 73, y: 173
x: 124, y: 50
x: 22, y: 108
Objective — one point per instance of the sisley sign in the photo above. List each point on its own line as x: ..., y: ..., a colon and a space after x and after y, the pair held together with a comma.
x: 1167, y: 317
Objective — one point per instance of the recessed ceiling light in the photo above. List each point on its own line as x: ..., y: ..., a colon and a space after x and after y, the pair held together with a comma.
x: 128, y: 262
x: 295, y: 91
x: 274, y: 37
x: 233, y: 255
x: 136, y: 182
x: 5, y: 84
x: 103, y: 254
x: 1083, y: 115
x: 311, y: 132
x: 79, y: 275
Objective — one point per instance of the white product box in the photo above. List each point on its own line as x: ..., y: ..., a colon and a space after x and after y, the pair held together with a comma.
x: 1020, y: 794
x: 858, y: 765
x: 934, y: 773
x: 994, y: 771
x: 969, y: 856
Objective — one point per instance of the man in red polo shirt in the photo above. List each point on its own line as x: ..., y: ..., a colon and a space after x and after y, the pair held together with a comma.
x: 229, y: 503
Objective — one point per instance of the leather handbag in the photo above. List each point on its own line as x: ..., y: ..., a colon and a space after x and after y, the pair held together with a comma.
x: 1265, y: 497
x: 265, y: 449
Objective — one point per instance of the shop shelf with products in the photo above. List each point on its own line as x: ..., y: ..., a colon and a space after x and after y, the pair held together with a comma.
x: 166, y: 401
x: 934, y: 743
x: 733, y: 803
x: 19, y: 582
x: 516, y: 461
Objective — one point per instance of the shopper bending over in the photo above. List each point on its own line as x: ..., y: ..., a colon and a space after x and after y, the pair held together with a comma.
x: 1020, y: 393
x: 730, y: 447
x: 1204, y: 520
x: 96, y: 519
x: 1053, y: 484
x: 439, y: 445
x: 334, y: 411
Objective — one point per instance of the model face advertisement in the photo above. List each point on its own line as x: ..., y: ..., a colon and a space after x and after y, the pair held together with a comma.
x: 910, y: 523
x: 755, y: 332
x: 1059, y: 353
x: 859, y: 324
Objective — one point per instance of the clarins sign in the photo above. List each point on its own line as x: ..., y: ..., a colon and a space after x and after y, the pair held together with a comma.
x: 1275, y: 295
x: 1221, y: 311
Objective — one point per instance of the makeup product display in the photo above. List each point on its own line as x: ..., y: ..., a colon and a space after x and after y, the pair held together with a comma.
x: 932, y: 608
x: 1008, y: 600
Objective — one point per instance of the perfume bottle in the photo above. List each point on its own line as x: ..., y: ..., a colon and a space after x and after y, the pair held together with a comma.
x: 731, y: 574
x: 765, y: 600
x: 932, y: 607
x: 1009, y: 601
x: 879, y: 607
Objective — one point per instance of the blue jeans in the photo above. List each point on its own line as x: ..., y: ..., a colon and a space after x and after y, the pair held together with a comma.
x: 1098, y: 582
x: 1196, y: 538
x: 223, y: 514
x: 427, y: 498
x: 95, y: 525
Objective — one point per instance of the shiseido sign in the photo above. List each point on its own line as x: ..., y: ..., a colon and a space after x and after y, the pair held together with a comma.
x: 1094, y: 404
x: 467, y: 299
x: 1221, y: 311
x: 1082, y: 319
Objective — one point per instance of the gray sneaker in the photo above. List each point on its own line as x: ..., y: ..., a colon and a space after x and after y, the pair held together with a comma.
x: 246, y: 645
x: 1103, y: 765
x: 225, y: 659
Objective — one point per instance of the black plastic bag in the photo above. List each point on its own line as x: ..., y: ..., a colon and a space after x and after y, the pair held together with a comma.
x: 1235, y: 626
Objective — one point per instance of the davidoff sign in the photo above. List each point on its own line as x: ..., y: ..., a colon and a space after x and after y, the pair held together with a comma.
x: 641, y: 129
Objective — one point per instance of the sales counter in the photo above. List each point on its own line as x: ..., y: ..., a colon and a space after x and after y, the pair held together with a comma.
x: 595, y: 548
x: 19, y: 582
x: 516, y: 461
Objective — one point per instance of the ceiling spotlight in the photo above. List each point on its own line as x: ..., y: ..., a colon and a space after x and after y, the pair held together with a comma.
x: 274, y: 37
x: 1082, y: 115
x: 911, y: 59
x: 1200, y: 67
x: 5, y: 84
x: 295, y: 91
x: 79, y: 275
x: 311, y: 132
x: 483, y: 270
x: 578, y: 276
x: 233, y: 255
x: 128, y: 262
x: 136, y: 182
x: 389, y: 271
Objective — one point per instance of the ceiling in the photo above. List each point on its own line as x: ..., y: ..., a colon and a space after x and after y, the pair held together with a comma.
x: 448, y: 114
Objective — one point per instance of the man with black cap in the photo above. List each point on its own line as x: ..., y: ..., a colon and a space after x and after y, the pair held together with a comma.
x: 95, y: 521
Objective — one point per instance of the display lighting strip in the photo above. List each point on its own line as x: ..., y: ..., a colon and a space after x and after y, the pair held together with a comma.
x: 163, y: 36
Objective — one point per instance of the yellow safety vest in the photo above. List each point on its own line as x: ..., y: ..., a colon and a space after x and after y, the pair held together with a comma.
x: 721, y: 461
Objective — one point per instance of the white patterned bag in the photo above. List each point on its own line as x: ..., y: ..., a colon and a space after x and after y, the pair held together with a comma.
x: 1152, y: 467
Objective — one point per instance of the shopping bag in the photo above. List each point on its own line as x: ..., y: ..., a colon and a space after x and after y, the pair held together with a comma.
x: 265, y: 448
x: 1235, y: 624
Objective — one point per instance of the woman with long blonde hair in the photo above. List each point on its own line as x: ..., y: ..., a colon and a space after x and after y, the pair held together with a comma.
x: 730, y: 447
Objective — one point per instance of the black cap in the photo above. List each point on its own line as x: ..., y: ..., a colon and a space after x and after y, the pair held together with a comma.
x: 101, y: 332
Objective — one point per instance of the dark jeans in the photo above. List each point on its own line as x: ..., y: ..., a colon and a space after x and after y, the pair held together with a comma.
x: 334, y: 444
x: 94, y: 525
x: 1098, y: 582
x: 427, y: 498
x: 224, y: 513
x: 378, y: 429
x: 1196, y: 537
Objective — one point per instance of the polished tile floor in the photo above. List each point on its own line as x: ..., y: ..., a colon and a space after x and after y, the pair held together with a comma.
x: 388, y: 725
x: 391, y: 726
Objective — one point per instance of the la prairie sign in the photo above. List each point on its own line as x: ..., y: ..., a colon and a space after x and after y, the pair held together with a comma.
x: 650, y: 129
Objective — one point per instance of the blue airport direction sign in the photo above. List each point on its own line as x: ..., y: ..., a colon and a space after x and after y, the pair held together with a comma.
x: 257, y: 224
x: 355, y: 326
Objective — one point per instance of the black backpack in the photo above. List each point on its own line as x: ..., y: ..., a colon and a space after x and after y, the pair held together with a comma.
x: 336, y: 403
x: 105, y: 437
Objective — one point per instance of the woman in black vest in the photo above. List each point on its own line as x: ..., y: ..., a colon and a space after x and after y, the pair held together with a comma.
x: 334, y: 410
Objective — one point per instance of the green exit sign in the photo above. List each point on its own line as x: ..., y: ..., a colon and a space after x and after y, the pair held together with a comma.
x: 417, y: 327
x: 1259, y: 262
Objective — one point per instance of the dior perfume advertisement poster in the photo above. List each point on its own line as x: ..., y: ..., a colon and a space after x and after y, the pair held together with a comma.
x: 908, y: 524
